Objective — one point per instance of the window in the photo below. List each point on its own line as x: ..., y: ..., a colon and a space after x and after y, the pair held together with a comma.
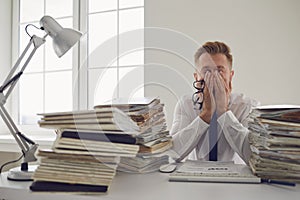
x: 46, y: 85
x: 80, y: 79
x: 122, y: 72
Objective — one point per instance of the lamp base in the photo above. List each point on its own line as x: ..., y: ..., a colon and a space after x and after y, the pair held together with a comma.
x: 16, y: 174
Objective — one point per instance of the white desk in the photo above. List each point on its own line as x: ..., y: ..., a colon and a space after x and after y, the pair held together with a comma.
x: 156, y: 186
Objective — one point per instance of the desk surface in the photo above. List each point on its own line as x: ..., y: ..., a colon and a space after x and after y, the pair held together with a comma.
x: 156, y: 186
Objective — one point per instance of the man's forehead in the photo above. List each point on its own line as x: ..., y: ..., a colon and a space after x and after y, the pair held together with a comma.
x: 212, y: 60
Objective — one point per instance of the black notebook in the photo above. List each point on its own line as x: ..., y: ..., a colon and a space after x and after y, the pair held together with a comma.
x: 45, y: 186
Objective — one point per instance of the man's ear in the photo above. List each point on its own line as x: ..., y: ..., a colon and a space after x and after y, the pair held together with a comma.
x: 231, y: 74
x: 195, y: 76
x: 230, y: 80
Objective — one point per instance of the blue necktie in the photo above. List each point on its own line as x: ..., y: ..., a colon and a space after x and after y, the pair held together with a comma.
x: 213, y: 138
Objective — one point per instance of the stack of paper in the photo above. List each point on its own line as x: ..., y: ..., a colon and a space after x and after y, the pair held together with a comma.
x: 111, y: 119
x: 152, y: 137
x: 211, y: 171
x: 142, y: 164
x: 76, y: 173
x: 147, y: 113
x: 275, y: 142
x: 134, y: 130
x: 86, y: 142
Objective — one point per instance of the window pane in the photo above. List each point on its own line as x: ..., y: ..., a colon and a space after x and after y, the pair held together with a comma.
x: 102, y: 39
x: 52, y: 61
x: 102, y: 85
x: 131, y: 82
x: 31, y: 98
x: 102, y: 5
x: 31, y: 10
x: 131, y: 43
x: 31, y: 31
x: 36, y: 62
x: 132, y: 58
x: 59, y: 8
x: 130, y: 3
x: 131, y: 19
x: 58, y: 91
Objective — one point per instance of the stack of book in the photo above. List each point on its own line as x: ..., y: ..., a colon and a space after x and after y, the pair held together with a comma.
x: 76, y: 173
x: 275, y: 142
x: 86, y: 151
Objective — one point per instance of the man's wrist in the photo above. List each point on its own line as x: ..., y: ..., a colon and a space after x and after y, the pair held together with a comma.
x: 205, y: 117
x: 221, y: 112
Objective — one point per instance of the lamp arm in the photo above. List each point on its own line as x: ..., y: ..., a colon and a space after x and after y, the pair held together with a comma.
x: 12, y: 71
x: 13, y: 129
x: 27, y: 146
x: 17, y: 76
x: 37, y: 41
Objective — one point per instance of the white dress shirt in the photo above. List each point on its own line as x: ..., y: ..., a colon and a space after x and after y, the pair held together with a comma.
x: 190, y: 132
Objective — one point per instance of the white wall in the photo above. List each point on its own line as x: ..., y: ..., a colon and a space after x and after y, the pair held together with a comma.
x: 5, y: 58
x: 5, y: 43
x: 264, y: 37
x: 5, y: 37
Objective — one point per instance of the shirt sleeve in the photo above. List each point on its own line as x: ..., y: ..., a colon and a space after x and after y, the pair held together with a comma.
x: 236, y: 135
x: 186, y: 133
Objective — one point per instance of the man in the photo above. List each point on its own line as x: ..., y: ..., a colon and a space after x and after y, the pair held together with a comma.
x: 190, y: 129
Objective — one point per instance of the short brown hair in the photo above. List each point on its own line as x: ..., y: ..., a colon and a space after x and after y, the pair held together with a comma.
x: 214, y: 48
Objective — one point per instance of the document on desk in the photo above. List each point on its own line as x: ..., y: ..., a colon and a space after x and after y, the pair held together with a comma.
x: 209, y: 171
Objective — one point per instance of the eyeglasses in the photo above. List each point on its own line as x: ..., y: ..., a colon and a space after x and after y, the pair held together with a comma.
x: 197, y: 97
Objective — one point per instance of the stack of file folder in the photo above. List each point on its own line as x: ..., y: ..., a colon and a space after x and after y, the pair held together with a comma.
x: 275, y: 142
x: 152, y: 137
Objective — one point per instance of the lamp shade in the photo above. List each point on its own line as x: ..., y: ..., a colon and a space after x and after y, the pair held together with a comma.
x: 63, y: 38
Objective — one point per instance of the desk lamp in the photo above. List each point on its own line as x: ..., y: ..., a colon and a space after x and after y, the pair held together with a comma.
x: 63, y: 40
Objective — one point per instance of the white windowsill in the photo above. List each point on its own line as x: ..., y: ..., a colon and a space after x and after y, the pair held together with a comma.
x: 8, y: 143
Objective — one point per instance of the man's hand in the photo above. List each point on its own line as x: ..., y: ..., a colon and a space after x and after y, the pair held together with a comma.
x: 221, y: 94
x: 215, y: 96
x: 209, y: 105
